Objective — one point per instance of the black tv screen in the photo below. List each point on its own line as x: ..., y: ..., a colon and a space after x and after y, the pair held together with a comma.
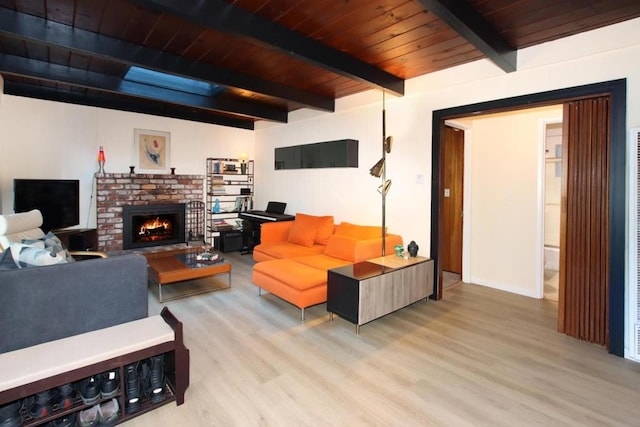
x: 57, y: 199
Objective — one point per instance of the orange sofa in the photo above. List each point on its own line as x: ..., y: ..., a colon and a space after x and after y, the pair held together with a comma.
x: 294, y: 256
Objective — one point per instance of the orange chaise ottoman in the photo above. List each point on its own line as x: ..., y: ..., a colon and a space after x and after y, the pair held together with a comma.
x: 299, y: 284
x: 302, y: 280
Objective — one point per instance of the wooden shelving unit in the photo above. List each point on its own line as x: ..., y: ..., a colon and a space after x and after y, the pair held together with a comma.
x: 229, y: 191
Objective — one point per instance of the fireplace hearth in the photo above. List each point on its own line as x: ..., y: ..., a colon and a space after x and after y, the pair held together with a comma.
x: 153, y: 225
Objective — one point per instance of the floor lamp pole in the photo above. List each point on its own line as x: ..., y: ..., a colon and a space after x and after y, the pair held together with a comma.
x: 384, y: 176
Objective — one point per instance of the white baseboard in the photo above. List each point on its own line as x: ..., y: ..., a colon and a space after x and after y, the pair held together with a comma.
x: 504, y: 287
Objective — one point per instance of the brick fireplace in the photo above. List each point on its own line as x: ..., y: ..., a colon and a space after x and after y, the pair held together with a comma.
x: 152, y: 225
x: 116, y: 190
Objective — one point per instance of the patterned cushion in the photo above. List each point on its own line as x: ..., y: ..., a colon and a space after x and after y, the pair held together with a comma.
x: 34, y: 256
x: 47, y: 250
x: 52, y: 243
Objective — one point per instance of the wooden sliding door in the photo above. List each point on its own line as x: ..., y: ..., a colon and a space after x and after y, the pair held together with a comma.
x: 583, y: 306
x: 452, y: 200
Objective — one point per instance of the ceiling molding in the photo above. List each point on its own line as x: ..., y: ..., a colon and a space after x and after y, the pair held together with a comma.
x: 467, y: 22
x: 20, y: 66
x: 222, y: 16
x: 50, y: 33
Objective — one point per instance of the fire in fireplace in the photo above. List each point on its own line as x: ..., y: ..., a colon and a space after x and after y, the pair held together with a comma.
x: 152, y: 225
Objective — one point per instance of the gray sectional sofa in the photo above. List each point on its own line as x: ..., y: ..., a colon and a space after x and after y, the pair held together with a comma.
x: 41, y: 304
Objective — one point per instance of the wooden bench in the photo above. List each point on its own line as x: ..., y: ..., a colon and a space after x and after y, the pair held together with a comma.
x: 45, y: 366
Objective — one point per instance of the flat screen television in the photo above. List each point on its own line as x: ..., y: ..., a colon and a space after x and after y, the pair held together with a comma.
x: 57, y: 199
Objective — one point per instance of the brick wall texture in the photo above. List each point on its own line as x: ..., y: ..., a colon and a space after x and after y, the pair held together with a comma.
x: 116, y: 190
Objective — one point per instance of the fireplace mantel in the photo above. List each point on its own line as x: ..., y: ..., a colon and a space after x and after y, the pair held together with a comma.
x: 115, y: 190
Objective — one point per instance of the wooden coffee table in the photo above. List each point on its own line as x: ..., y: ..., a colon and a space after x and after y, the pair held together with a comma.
x: 180, y: 265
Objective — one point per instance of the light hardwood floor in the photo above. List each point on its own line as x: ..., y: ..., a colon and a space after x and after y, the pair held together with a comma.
x: 479, y: 357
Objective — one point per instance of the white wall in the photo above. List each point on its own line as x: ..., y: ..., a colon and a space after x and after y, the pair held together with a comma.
x: 350, y: 194
x: 44, y: 139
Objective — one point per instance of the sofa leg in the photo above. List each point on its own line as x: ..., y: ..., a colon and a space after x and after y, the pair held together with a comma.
x: 302, y: 314
x: 259, y: 291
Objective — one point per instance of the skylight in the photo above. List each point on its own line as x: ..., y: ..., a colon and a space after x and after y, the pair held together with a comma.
x: 169, y: 81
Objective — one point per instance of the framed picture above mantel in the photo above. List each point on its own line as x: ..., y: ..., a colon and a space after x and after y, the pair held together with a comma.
x: 151, y: 151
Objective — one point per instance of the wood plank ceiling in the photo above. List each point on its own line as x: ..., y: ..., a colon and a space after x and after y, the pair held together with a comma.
x: 268, y: 57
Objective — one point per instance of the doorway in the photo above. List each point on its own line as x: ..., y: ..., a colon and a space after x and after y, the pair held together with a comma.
x: 452, y: 204
x: 503, y: 200
x: 616, y: 91
x: 552, y: 196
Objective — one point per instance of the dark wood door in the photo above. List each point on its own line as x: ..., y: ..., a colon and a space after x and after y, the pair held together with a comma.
x: 452, y: 199
x: 583, y: 300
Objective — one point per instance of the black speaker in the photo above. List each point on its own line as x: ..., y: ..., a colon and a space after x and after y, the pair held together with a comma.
x: 230, y: 241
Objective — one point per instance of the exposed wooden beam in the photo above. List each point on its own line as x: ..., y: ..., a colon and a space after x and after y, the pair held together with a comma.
x: 222, y: 16
x: 467, y: 22
x: 50, y: 33
x: 20, y: 66
x: 135, y: 105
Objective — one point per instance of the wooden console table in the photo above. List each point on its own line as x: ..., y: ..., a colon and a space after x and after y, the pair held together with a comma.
x: 365, y: 291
